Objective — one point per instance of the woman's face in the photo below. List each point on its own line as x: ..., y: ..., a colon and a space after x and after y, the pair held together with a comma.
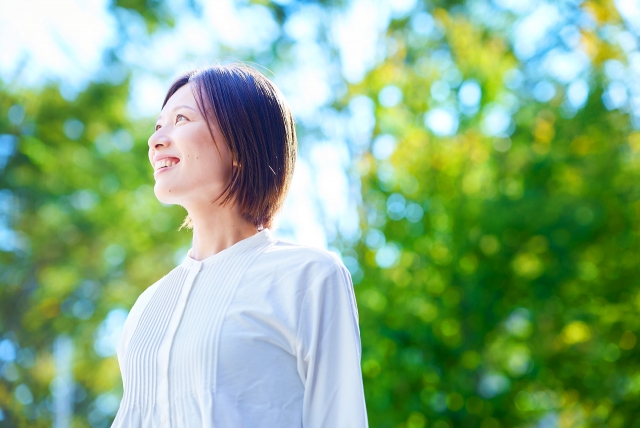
x: 190, y: 167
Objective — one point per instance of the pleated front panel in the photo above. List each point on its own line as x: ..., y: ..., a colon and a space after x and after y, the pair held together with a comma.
x: 141, y: 359
x: 194, y: 354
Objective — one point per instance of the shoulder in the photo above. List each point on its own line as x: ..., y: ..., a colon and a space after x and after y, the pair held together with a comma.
x: 318, y: 276
x: 302, y: 260
x: 290, y: 251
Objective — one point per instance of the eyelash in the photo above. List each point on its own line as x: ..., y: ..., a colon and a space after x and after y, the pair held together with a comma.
x: 177, y: 116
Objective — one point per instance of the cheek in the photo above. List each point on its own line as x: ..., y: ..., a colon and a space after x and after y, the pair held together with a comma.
x: 208, y: 164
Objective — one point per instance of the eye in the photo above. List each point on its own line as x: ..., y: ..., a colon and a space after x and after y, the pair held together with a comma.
x: 158, y: 127
x: 178, y: 116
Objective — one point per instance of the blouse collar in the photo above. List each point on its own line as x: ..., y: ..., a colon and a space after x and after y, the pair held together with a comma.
x: 239, y: 247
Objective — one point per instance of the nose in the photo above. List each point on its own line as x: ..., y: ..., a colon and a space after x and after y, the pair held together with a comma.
x: 158, y: 139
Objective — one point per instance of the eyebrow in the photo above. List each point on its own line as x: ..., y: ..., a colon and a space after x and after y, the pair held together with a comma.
x: 178, y: 108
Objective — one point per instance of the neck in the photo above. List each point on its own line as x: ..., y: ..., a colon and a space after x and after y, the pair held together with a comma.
x: 216, y: 231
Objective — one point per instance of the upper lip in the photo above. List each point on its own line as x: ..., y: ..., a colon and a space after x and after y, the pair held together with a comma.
x: 157, y: 158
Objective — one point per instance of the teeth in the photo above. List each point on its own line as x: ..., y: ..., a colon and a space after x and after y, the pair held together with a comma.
x: 163, y: 163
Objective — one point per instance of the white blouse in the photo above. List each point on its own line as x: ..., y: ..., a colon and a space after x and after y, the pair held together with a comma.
x: 262, y: 334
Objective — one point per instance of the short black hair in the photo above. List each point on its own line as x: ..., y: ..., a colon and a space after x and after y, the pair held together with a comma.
x: 259, y: 129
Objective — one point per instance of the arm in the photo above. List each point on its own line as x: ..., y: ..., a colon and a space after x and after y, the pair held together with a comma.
x: 329, y: 353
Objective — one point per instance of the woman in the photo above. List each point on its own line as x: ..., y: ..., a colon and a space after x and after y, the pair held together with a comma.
x: 248, y: 331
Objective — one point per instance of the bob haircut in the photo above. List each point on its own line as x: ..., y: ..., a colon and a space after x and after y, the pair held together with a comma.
x: 259, y: 130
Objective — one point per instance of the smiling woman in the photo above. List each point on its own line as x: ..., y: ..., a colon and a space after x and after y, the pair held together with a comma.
x: 247, y: 330
x: 192, y: 162
x: 256, y: 156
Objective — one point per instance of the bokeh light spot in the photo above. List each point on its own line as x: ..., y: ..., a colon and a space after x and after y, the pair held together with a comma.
x: 390, y: 96
x: 442, y: 121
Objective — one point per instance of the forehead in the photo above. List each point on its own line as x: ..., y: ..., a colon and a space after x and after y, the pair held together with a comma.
x: 183, y: 96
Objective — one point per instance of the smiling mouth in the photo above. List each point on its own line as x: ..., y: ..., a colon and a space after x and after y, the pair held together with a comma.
x: 165, y: 163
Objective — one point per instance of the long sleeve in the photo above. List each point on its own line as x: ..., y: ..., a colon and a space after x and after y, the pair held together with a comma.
x: 329, y: 353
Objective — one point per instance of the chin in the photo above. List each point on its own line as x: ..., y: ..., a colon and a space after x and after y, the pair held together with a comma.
x: 164, y: 195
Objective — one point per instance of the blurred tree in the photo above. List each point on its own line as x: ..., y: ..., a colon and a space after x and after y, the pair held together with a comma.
x: 499, y: 251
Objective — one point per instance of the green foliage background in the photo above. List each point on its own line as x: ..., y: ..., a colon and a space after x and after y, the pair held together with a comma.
x: 496, y: 277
